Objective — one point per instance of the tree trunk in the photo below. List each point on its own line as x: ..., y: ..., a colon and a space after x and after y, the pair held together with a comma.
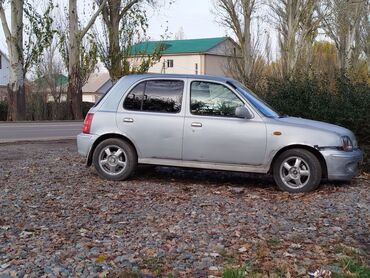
x: 14, y: 40
x: 114, y: 50
x: 293, y: 12
x: 367, y: 39
x: 237, y: 16
x: 16, y: 92
x: 16, y: 103
x: 247, y: 51
x: 341, y: 57
x: 74, y: 94
x: 12, y: 105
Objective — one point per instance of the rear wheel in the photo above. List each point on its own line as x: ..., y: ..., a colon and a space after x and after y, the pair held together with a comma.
x: 115, y: 159
x: 297, y: 170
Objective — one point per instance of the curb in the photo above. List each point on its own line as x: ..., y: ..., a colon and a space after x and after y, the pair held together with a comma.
x: 38, y: 122
x: 36, y: 140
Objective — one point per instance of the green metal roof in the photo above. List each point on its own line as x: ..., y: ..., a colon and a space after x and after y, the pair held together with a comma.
x: 59, y: 79
x: 176, y: 46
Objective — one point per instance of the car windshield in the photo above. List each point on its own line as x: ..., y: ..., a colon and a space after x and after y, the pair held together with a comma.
x: 259, y: 104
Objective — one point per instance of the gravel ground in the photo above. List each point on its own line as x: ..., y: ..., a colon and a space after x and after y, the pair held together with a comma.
x: 59, y: 219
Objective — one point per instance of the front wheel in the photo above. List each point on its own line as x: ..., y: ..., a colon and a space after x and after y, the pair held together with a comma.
x: 297, y: 170
x: 115, y: 159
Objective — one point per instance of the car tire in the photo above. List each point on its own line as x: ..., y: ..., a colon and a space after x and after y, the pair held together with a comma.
x: 115, y: 159
x: 297, y: 170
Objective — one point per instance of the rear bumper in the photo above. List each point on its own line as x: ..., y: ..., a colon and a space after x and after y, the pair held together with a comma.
x: 84, y: 143
x: 342, y: 165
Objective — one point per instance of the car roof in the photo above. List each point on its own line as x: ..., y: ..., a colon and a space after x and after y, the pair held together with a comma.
x: 188, y: 76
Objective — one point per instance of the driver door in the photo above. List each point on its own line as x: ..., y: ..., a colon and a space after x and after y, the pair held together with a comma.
x: 212, y: 132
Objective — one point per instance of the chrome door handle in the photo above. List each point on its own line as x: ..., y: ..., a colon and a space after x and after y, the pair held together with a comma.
x: 195, y: 124
x: 128, y: 120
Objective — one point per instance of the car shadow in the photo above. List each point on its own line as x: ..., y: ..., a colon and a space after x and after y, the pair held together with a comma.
x: 219, y: 178
x: 196, y: 176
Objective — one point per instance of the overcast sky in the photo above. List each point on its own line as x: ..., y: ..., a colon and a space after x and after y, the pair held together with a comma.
x: 194, y: 16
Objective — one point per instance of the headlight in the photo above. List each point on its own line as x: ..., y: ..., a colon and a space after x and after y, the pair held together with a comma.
x: 347, y: 144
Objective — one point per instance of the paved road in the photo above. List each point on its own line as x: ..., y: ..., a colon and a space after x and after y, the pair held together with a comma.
x: 12, y: 132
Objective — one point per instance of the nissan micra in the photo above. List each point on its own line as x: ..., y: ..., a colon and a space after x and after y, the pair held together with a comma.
x: 211, y: 123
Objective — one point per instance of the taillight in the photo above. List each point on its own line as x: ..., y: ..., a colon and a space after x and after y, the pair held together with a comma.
x: 87, y: 123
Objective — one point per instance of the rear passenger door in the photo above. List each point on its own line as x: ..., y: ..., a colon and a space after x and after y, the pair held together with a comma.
x: 152, y: 116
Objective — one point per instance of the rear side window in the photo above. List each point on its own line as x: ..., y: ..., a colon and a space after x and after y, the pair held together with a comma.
x: 162, y: 96
x: 134, y: 99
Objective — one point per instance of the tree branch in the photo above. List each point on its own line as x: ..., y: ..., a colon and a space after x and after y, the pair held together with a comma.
x: 92, y: 19
x: 127, y: 8
x: 4, y: 23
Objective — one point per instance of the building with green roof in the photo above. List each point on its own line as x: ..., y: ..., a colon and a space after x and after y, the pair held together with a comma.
x: 191, y: 56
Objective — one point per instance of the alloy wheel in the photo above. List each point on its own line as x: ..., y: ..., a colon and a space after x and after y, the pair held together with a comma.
x: 295, y: 172
x: 112, y: 160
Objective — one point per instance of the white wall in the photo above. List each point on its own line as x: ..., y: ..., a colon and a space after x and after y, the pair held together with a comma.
x: 89, y: 98
x: 216, y: 65
x: 210, y: 63
x: 182, y: 64
x: 226, y: 48
x: 185, y: 64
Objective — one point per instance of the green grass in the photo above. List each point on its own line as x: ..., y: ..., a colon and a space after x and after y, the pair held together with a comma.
x: 351, y: 262
x: 228, y: 257
x: 125, y: 274
x: 353, y: 269
x: 234, y: 272
x: 154, y: 264
x: 274, y: 243
x: 248, y: 270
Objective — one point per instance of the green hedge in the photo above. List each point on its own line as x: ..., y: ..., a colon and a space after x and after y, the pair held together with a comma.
x: 341, y: 102
x: 3, y: 110
x: 344, y: 104
x: 38, y: 110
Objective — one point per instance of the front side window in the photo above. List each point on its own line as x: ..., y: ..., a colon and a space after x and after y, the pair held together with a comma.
x: 163, y: 96
x: 212, y: 99
x: 259, y: 104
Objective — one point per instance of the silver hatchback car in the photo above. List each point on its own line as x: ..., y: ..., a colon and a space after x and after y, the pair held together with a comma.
x: 211, y: 123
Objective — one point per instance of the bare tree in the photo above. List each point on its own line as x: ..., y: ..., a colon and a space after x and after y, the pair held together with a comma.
x: 76, y: 34
x: 180, y: 34
x: 50, y: 72
x: 51, y: 82
x: 297, y: 26
x: 23, y: 53
x: 341, y: 20
x: 364, y: 33
x: 236, y: 15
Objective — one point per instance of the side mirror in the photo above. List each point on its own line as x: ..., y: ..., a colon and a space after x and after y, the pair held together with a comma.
x: 243, y: 112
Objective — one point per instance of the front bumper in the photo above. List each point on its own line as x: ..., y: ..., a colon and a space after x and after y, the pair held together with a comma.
x: 342, y: 165
x: 84, y: 143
